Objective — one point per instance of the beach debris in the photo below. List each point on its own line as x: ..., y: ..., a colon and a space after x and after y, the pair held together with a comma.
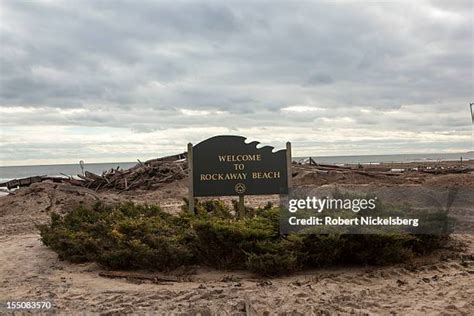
x: 24, y: 182
x: 150, y: 174
x: 81, y: 164
x: 134, y: 276
x: 308, y: 171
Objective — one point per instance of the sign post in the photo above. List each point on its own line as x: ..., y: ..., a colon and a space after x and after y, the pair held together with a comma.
x: 190, y: 168
x: 228, y: 166
x: 284, y: 197
x: 288, y: 164
x: 241, y: 206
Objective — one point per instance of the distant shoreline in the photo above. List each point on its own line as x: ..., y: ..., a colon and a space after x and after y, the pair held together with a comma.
x: 455, y: 156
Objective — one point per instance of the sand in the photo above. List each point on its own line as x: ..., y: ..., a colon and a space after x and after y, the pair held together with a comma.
x: 442, y: 283
x: 32, y: 271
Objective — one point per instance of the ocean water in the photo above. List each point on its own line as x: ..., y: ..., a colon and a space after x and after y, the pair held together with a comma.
x: 375, y: 159
x: 16, y: 172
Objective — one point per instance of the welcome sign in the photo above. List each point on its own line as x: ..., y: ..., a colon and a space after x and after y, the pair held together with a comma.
x: 227, y: 165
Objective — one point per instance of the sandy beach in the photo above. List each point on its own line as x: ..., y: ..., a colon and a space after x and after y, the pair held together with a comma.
x: 439, y: 284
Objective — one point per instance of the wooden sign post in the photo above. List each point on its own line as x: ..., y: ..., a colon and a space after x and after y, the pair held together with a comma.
x: 289, y: 161
x: 226, y: 166
x: 284, y: 197
x: 241, y: 206
x: 190, y: 168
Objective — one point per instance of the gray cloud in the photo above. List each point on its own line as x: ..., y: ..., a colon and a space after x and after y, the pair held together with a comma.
x: 247, y: 66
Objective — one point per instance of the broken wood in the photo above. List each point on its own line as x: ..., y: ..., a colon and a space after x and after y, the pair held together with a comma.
x: 144, y: 175
x: 139, y: 276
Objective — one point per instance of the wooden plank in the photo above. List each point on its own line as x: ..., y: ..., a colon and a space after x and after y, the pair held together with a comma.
x: 190, y: 186
x: 139, y: 276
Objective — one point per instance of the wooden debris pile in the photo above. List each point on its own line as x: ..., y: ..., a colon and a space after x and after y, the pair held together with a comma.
x: 309, y: 172
x: 144, y: 175
x: 383, y: 169
x: 25, y: 182
x: 147, y: 175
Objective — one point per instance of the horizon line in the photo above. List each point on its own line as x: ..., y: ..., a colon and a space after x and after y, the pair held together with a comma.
x: 303, y: 156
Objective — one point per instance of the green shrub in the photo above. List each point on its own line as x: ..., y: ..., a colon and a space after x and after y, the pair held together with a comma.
x: 215, y: 208
x: 272, y: 264
x: 126, y: 236
x: 322, y: 250
x: 376, y: 249
x: 129, y: 236
x: 223, y: 243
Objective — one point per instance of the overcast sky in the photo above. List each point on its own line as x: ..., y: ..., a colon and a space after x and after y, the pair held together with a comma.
x: 120, y: 80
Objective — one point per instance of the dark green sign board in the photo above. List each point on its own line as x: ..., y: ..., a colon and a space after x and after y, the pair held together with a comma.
x: 227, y: 165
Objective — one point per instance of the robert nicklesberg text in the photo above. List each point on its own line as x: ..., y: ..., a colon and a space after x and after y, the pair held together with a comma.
x: 359, y: 221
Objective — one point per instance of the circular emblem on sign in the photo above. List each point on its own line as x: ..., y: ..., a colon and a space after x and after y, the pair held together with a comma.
x: 240, y: 188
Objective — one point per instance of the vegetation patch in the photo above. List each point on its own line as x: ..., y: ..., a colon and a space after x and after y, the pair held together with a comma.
x: 130, y: 236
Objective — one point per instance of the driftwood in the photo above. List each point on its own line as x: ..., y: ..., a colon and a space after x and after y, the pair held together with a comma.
x: 446, y: 170
x: 139, y: 276
x: 332, y: 167
x: 144, y: 175
x: 374, y: 171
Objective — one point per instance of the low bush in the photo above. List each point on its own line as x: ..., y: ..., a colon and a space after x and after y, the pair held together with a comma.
x: 272, y: 264
x: 129, y: 236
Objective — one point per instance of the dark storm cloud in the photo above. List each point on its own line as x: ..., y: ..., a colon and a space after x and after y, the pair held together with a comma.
x: 156, y: 65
